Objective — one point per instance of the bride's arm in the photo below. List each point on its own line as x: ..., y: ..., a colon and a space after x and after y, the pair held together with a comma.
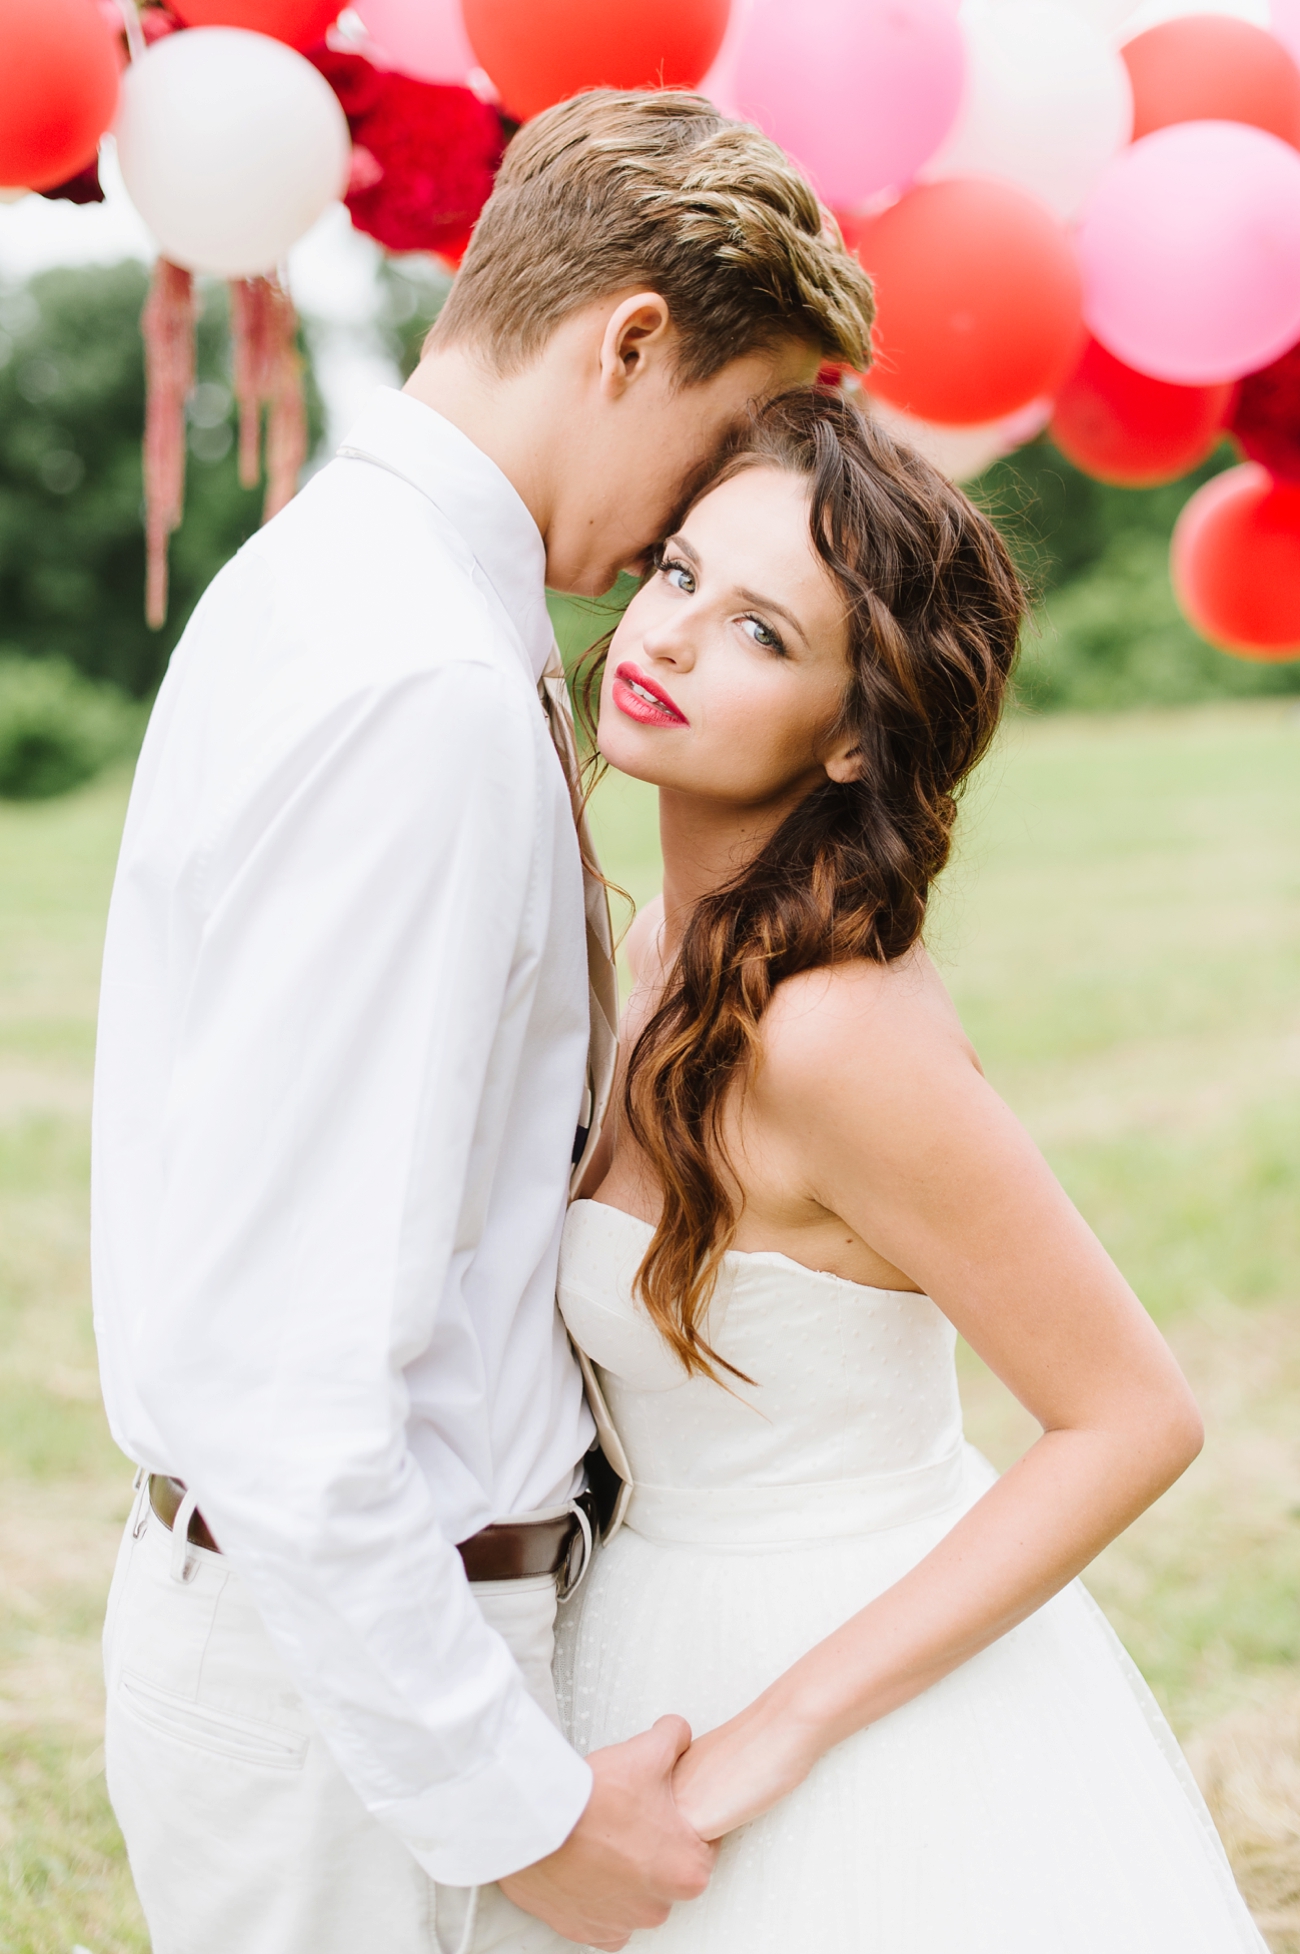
x: 897, y: 1132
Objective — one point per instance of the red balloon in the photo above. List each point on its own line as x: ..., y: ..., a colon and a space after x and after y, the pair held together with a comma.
x: 1123, y: 427
x: 1266, y: 416
x: 978, y: 300
x: 542, y: 51
x: 1235, y: 563
x: 301, y: 23
x: 1210, y: 68
x: 58, y: 89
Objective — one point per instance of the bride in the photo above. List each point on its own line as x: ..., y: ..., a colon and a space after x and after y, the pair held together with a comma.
x: 915, y: 1733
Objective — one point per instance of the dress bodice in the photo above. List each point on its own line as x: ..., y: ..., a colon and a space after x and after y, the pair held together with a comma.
x: 852, y: 1420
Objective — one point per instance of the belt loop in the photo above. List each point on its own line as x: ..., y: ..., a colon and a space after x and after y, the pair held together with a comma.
x: 465, y: 1942
x: 568, y: 1584
x: 182, y: 1568
x: 471, y: 1921
x: 140, y: 1502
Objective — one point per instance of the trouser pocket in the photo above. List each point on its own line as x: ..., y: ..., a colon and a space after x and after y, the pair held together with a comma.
x: 222, y: 1732
x: 244, y: 1836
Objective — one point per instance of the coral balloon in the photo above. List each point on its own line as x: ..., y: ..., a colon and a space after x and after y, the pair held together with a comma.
x: 1266, y: 416
x: 1047, y: 102
x: 978, y: 299
x: 1123, y: 427
x: 542, y: 51
x: 1235, y: 563
x: 299, y: 22
x: 422, y: 38
x: 1190, y: 251
x: 1211, y: 68
x: 860, y: 92
x: 231, y: 146
x: 58, y: 89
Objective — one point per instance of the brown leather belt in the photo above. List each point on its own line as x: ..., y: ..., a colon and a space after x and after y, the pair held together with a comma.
x: 509, y: 1550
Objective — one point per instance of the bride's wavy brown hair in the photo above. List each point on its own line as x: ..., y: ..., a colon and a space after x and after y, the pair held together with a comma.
x: 934, y: 613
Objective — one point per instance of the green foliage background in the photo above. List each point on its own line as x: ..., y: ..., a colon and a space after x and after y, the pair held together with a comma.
x: 1107, y: 633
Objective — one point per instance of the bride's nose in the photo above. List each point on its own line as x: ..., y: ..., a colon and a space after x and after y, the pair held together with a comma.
x: 672, y: 642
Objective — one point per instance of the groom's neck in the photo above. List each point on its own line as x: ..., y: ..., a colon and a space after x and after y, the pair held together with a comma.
x: 508, y: 418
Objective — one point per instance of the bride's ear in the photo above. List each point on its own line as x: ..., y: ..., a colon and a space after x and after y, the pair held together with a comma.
x: 843, y: 762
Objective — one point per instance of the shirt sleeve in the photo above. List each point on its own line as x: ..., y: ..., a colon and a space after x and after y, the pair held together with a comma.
x: 359, y: 927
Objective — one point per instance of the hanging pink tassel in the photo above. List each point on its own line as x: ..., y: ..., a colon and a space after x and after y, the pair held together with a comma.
x: 286, y: 426
x: 248, y: 364
x: 168, y: 327
x: 268, y: 373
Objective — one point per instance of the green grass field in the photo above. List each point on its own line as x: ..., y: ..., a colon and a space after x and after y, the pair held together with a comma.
x: 1122, y: 933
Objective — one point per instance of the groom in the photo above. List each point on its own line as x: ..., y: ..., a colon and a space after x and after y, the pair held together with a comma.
x: 346, y: 1063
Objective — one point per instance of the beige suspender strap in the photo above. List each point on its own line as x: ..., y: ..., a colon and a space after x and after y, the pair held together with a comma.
x: 602, y: 1049
x: 602, y: 980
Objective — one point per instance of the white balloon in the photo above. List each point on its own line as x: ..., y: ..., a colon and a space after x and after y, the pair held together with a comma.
x: 231, y: 145
x: 1048, y: 102
x: 961, y: 453
x: 1109, y: 15
x: 1151, y: 12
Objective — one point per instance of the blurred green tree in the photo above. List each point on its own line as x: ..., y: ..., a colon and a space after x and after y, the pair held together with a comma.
x: 1107, y: 633
x: 412, y: 289
x: 71, y: 415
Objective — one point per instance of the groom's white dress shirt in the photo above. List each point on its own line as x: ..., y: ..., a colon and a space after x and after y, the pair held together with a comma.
x: 341, y: 1062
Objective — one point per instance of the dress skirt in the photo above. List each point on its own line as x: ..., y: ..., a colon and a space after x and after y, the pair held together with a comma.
x: 1033, y: 1802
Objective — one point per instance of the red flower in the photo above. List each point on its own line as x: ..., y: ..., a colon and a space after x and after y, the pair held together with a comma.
x: 157, y: 20
x: 432, y: 153
x: 83, y: 188
x: 1266, y: 416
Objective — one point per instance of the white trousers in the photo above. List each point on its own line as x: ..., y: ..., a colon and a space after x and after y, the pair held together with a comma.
x: 244, y: 1836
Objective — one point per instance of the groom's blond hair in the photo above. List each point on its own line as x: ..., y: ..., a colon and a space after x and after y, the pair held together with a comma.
x: 658, y: 190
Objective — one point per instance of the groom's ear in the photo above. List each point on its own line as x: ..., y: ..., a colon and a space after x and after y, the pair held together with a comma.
x: 638, y: 336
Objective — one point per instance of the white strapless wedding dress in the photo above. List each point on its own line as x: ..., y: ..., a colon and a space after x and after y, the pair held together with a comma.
x: 1034, y: 1802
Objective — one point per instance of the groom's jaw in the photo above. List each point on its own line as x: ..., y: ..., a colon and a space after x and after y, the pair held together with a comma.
x: 635, y: 454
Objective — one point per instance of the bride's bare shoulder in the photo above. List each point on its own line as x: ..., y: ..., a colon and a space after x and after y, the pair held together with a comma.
x: 876, y: 1024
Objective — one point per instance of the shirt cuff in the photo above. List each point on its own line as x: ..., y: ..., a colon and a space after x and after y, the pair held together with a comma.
x: 507, y: 1815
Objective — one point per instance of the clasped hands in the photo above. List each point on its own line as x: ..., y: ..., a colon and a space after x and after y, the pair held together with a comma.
x: 647, y: 1838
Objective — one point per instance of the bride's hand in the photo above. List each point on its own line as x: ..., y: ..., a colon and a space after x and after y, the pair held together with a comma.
x: 742, y: 1768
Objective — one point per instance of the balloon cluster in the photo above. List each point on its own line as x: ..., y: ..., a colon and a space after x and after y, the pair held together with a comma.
x: 1072, y: 228
x: 1065, y: 226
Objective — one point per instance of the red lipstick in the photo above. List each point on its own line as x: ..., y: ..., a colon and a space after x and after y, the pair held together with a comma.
x: 641, y: 699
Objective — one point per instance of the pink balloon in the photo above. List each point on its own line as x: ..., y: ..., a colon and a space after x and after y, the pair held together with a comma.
x: 422, y: 38
x: 860, y: 92
x: 720, y: 82
x: 1284, y: 24
x: 1190, y: 253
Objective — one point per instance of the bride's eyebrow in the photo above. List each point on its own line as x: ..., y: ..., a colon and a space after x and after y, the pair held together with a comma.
x: 758, y: 602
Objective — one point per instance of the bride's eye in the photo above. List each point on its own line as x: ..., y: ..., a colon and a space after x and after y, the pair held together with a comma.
x: 678, y: 574
x: 763, y: 635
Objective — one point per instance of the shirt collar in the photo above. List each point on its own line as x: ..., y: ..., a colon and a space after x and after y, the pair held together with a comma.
x: 426, y: 450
